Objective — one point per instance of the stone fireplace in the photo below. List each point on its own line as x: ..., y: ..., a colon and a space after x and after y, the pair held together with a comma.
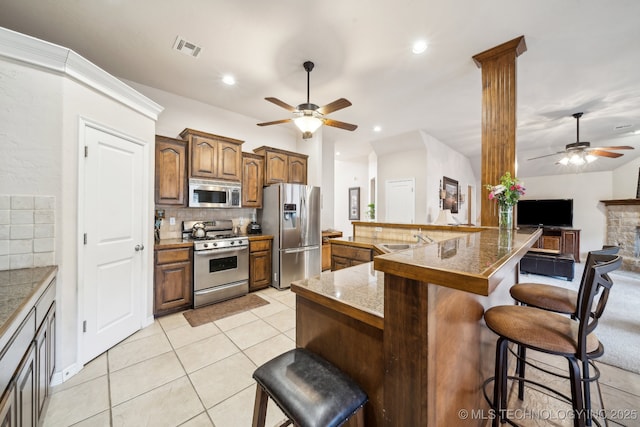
x: 623, y: 229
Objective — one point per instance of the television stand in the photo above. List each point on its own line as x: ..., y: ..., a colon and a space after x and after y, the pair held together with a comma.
x: 559, y: 240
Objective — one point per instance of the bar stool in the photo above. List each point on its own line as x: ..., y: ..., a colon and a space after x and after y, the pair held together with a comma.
x: 309, y: 390
x: 555, y: 334
x: 558, y: 300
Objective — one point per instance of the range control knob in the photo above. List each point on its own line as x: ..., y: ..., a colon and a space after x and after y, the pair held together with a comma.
x: 215, y: 244
x: 232, y: 242
x: 206, y: 245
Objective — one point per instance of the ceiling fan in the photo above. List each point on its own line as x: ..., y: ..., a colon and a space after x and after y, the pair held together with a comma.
x: 580, y: 152
x: 309, y: 117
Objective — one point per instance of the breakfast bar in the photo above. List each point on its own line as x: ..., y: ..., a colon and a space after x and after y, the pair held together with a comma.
x: 408, y: 327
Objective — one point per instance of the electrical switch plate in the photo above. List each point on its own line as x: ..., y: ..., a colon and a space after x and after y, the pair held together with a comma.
x: 172, y: 221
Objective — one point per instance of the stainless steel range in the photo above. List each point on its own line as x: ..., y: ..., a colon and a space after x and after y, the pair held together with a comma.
x: 221, y: 261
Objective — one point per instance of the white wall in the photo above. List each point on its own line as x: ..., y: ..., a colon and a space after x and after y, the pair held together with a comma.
x: 625, y: 180
x: 180, y: 113
x: 586, y: 190
x: 420, y: 156
x: 352, y: 173
x: 39, y: 155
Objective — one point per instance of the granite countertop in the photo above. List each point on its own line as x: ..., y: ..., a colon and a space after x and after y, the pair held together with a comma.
x: 358, y: 289
x: 475, y: 262
x: 19, y: 291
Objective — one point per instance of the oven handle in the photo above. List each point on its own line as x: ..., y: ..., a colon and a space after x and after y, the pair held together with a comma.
x: 221, y: 251
x: 303, y: 249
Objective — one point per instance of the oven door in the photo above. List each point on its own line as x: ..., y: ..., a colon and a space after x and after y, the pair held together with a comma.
x: 220, y: 274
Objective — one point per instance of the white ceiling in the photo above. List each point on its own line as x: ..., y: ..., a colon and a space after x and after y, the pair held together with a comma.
x: 583, y: 55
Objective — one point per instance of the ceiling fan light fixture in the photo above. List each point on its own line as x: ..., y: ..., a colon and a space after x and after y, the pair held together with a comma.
x: 564, y: 161
x: 590, y: 158
x: 308, y: 123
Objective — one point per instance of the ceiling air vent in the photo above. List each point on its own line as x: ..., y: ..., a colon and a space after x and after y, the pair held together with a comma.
x: 188, y: 48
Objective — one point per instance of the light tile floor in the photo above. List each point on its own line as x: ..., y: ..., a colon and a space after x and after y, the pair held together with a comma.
x: 170, y: 374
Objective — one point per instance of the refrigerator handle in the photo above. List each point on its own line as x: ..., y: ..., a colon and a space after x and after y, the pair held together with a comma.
x: 303, y: 249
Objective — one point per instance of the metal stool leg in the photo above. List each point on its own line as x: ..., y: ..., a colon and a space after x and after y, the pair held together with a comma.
x: 500, y: 384
x: 520, y: 365
x: 576, y: 392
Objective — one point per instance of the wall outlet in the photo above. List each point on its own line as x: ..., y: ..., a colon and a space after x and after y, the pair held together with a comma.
x: 172, y: 220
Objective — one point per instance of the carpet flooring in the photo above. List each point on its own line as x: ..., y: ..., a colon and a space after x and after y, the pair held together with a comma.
x: 619, y: 326
x: 209, y: 313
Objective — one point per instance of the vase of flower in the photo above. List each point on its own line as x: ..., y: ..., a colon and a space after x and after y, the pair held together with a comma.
x: 506, y: 194
x: 505, y: 217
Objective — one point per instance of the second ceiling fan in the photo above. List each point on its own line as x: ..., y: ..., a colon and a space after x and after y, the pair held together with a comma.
x: 580, y: 152
x: 309, y: 117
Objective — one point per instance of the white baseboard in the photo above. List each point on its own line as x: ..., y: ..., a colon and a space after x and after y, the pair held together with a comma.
x: 67, y: 373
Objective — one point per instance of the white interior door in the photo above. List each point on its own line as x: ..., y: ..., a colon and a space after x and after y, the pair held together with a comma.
x: 400, y: 201
x: 111, y: 285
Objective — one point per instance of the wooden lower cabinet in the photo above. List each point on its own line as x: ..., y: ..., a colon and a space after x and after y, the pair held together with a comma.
x: 343, y: 256
x: 173, y: 280
x: 560, y: 240
x: 326, y: 247
x: 259, y: 263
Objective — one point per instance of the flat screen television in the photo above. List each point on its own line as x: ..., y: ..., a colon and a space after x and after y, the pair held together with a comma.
x: 546, y: 213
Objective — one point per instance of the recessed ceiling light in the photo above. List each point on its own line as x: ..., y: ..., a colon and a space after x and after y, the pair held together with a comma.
x: 377, y: 128
x: 636, y: 132
x: 419, y: 46
x: 229, y: 79
x: 337, y: 153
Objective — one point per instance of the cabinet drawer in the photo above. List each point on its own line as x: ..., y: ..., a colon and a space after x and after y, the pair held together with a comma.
x: 351, y: 252
x: 13, y: 353
x: 167, y: 256
x: 259, y: 245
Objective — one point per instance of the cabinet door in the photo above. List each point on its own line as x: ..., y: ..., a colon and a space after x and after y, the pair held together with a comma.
x: 51, y: 365
x: 338, y: 263
x: 25, y: 390
x: 297, y: 170
x: 204, y: 157
x: 259, y: 270
x: 551, y: 243
x: 42, y: 373
x: 571, y: 243
x: 170, y: 180
x: 252, y: 179
x: 276, y: 168
x: 326, y: 256
x: 173, y: 289
x: 8, y: 407
x: 229, y: 159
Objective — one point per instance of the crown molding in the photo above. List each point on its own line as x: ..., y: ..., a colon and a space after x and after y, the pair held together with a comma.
x: 42, y: 54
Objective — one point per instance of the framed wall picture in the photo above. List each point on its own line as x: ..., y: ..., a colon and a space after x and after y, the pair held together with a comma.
x: 354, y: 203
x: 450, y: 201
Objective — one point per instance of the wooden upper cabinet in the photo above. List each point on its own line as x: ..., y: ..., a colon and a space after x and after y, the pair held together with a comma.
x: 252, y: 180
x: 213, y: 156
x: 283, y: 166
x: 297, y: 169
x: 170, y: 181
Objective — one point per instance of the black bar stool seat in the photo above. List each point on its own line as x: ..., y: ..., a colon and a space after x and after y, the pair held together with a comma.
x: 308, y: 389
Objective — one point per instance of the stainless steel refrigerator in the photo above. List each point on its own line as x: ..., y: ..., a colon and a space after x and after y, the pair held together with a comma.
x: 291, y: 212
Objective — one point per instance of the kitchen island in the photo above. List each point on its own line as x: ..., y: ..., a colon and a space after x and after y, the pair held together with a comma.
x: 408, y: 327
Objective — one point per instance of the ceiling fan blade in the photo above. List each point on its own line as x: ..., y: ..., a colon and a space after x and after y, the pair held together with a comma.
x: 341, y: 125
x: 619, y: 147
x: 547, y: 155
x: 281, y: 104
x: 276, y: 122
x: 336, y: 105
x: 602, y: 153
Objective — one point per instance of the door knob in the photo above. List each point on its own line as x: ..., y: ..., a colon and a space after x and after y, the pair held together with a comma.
x: 139, y: 248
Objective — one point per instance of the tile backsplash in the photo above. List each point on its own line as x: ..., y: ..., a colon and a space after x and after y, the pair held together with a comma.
x: 27, y: 231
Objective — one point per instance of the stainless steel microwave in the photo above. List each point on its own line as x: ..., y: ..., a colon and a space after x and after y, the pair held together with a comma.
x: 214, y: 194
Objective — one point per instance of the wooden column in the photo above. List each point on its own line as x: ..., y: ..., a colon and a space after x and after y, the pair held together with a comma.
x: 498, y: 118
